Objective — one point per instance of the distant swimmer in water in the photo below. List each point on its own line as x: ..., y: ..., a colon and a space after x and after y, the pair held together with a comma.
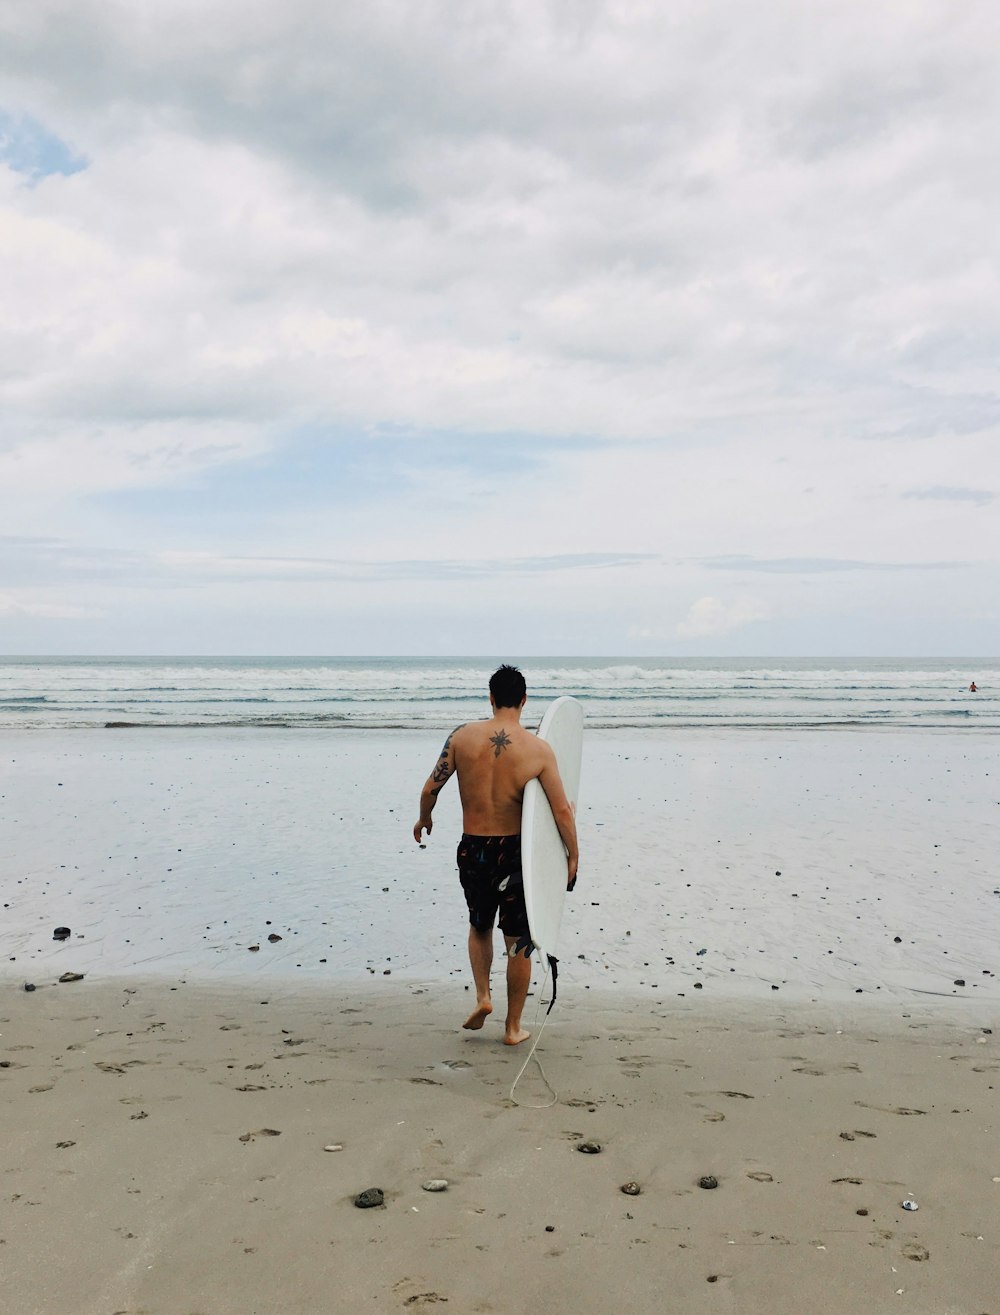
x: 972, y: 688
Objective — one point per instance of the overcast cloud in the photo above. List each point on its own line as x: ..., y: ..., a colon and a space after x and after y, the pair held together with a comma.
x: 539, y: 328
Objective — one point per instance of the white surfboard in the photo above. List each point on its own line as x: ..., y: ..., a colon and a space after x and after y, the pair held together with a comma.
x: 543, y: 856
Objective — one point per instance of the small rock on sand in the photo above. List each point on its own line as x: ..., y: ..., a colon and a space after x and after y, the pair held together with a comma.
x: 371, y: 1196
x: 589, y: 1147
x: 631, y: 1189
x: 71, y: 977
x: 708, y: 1182
x: 334, y: 1146
x: 435, y: 1185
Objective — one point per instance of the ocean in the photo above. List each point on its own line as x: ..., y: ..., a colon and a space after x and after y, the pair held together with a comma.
x: 437, y: 694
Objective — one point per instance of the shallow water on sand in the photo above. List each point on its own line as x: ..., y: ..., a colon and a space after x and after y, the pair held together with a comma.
x: 793, y: 859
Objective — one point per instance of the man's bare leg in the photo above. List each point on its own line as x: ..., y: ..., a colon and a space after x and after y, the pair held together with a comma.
x: 518, y: 981
x: 481, y: 959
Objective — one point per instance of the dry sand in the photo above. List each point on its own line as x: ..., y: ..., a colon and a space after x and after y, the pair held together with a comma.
x: 131, y: 1185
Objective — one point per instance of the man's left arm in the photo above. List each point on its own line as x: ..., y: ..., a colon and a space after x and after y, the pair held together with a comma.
x: 433, y: 786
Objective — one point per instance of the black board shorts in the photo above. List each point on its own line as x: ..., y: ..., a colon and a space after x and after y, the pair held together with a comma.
x: 490, y: 871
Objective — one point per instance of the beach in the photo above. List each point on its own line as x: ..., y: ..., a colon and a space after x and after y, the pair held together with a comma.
x: 166, y: 1151
x: 778, y: 970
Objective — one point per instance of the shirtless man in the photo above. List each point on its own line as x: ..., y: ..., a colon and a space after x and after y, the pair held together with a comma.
x: 494, y: 760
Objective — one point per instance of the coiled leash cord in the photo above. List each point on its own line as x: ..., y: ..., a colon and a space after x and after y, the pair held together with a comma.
x: 551, y: 966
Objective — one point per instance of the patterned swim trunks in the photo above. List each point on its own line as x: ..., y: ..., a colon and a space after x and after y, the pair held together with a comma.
x: 490, y: 870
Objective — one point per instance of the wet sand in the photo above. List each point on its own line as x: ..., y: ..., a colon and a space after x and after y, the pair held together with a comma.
x: 795, y: 859
x: 164, y: 1153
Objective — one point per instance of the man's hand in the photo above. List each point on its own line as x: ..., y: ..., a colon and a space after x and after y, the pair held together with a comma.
x: 425, y: 824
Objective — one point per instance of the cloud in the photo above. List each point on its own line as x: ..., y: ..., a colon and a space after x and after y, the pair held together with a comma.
x: 13, y: 606
x: 715, y: 288
x: 818, y: 565
x: 710, y: 616
x: 941, y: 493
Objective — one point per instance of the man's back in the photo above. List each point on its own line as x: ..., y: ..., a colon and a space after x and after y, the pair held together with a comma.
x: 494, y: 761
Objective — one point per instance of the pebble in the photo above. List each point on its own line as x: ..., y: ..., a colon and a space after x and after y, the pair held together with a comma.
x: 589, y: 1147
x: 435, y: 1185
x: 274, y: 937
x: 334, y: 1146
x: 910, y: 1204
x: 708, y: 1182
x: 29, y: 986
x: 631, y: 1189
x: 71, y: 977
x: 61, y: 934
x: 369, y: 1197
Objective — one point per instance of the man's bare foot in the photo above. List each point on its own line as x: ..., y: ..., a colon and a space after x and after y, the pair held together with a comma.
x: 478, y: 1017
x: 516, y: 1037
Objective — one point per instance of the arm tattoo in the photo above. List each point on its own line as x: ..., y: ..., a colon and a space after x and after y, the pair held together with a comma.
x: 500, y: 742
x: 442, y: 771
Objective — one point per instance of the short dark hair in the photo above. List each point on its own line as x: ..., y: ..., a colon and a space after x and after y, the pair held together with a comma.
x: 507, y: 687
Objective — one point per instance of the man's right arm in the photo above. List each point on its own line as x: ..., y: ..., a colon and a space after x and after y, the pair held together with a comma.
x: 562, y: 812
x: 433, y: 786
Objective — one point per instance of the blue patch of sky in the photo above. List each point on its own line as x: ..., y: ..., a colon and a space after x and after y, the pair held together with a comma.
x: 28, y: 148
x: 323, y: 467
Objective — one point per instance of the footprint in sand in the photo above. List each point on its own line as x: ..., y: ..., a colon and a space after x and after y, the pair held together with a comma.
x: 825, y: 1072
x: 888, y: 1109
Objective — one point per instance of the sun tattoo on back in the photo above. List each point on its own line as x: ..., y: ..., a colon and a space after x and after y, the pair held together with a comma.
x: 500, y: 742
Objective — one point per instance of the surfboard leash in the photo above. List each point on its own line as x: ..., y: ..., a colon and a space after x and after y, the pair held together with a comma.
x: 552, y: 966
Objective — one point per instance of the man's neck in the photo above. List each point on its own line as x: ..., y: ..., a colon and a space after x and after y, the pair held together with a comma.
x: 507, y: 716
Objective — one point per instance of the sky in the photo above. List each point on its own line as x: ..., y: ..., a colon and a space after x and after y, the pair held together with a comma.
x: 473, y: 326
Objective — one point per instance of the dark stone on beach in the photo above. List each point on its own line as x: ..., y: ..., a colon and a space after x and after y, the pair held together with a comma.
x: 550, y: 1228
x: 274, y: 937
x: 700, y: 952
x: 698, y: 986
x: 712, y: 1278
x: 71, y: 977
x: 631, y: 1189
x: 897, y: 940
x: 708, y: 1182
x: 253, y: 948
x: 862, y: 1211
x: 371, y: 1196
x: 959, y: 981
x: 29, y: 986
x: 61, y: 934
x: 589, y: 1147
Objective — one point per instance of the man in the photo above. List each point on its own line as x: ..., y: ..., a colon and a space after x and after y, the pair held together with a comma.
x: 494, y: 760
